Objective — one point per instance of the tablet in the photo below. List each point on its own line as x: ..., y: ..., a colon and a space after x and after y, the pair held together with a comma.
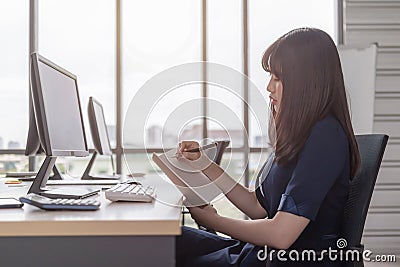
x: 193, y: 184
x: 9, y: 203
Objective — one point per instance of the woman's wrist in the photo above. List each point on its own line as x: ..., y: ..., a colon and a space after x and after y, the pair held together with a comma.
x: 202, y: 163
x: 215, y: 222
x: 220, y: 178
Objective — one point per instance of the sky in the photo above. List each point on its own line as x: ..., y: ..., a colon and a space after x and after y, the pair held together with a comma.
x: 80, y: 36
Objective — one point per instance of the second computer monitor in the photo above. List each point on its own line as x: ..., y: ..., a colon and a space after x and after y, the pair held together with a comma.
x: 98, y: 127
x: 101, y: 140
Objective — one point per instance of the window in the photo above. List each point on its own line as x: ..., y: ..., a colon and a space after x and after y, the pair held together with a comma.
x: 224, y: 46
x: 158, y: 35
x: 80, y: 37
x: 268, y: 20
x: 14, y: 83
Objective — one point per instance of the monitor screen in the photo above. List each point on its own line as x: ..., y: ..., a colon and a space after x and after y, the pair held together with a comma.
x: 98, y: 127
x: 57, y: 109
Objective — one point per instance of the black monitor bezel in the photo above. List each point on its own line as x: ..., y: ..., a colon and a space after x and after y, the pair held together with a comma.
x: 94, y: 126
x: 40, y: 112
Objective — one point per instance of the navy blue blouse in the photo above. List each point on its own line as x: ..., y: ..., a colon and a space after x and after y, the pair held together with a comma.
x: 314, y: 186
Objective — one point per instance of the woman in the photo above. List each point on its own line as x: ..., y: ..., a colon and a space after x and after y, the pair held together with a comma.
x: 300, y: 201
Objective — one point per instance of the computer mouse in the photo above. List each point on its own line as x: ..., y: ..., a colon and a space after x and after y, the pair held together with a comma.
x: 136, y: 174
x: 133, y: 182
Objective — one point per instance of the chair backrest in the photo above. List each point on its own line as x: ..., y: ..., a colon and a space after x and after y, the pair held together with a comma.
x: 371, y: 148
x: 221, y: 146
x: 216, y: 155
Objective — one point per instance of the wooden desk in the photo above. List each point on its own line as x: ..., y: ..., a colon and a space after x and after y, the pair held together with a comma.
x: 118, y: 234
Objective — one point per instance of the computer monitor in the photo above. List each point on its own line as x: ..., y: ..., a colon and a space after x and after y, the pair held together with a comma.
x: 59, y: 122
x: 33, y: 145
x: 100, y: 138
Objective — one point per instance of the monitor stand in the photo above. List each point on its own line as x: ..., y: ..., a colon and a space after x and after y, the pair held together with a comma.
x: 86, y: 174
x: 39, y: 184
x: 56, y: 174
x: 30, y: 176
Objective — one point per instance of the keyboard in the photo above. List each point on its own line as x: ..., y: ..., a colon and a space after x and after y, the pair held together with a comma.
x: 82, y: 182
x: 60, y: 203
x: 131, y: 191
x: 102, y: 177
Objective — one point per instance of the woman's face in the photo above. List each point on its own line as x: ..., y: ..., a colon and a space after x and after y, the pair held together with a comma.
x: 275, y: 88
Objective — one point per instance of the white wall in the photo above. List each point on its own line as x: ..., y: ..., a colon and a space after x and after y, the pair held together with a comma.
x: 369, y: 21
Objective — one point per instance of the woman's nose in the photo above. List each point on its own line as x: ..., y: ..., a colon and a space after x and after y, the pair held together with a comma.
x: 269, y: 87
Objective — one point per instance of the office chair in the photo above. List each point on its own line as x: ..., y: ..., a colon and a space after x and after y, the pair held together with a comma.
x: 221, y: 146
x: 371, y: 148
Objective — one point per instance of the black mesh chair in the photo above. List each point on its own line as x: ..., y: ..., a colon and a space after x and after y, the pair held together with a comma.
x: 371, y: 148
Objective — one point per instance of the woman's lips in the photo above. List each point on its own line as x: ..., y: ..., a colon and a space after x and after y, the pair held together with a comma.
x: 273, y: 100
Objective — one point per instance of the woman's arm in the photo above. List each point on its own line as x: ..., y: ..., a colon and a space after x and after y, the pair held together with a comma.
x: 240, y: 196
x: 279, y: 232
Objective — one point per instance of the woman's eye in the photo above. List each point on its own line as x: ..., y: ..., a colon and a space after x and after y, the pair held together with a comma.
x: 275, y: 78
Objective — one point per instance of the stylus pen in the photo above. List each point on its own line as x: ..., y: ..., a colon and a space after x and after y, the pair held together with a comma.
x: 198, y: 149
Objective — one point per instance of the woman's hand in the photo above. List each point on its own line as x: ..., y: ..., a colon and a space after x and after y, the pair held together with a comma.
x: 197, y: 160
x: 204, y: 215
x: 188, y: 145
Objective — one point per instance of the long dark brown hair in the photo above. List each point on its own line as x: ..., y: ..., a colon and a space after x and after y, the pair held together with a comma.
x: 307, y: 62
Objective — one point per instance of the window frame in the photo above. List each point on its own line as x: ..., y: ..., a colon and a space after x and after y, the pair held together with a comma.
x: 119, y: 150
